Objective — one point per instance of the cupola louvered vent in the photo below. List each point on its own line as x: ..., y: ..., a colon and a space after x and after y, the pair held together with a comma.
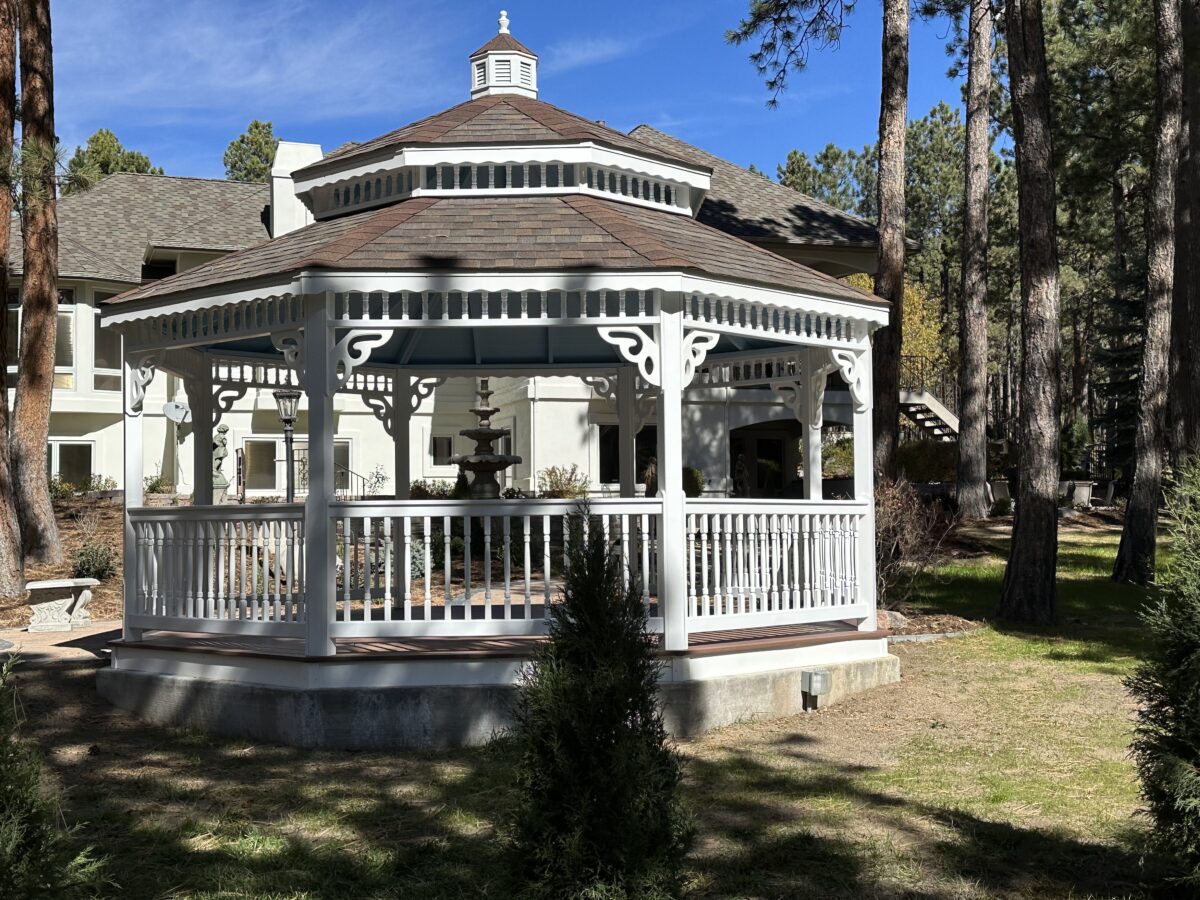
x: 504, y: 66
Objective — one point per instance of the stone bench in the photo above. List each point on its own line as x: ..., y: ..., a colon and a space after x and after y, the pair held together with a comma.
x: 60, y: 604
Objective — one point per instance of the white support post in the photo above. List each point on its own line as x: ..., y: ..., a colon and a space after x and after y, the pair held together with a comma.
x: 134, y: 473
x: 864, y: 492
x: 672, y: 571
x: 402, y: 397
x: 627, y: 429
x: 812, y: 391
x: 318, y: 527
x: 200, y: 401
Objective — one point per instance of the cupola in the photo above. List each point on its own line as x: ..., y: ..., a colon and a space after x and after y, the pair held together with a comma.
x: 504, y: 66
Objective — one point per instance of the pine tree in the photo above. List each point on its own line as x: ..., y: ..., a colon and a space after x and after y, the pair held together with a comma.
x: 250, y: 155
x: 599, y: 813
x: 36, y: 859
x: 104, y: 154
x: 1166, y: 744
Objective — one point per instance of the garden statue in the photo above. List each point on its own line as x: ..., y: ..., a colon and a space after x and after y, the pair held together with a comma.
x: 220, y: 452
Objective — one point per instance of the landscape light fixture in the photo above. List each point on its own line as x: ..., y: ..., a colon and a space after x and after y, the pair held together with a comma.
x: 288, y: 402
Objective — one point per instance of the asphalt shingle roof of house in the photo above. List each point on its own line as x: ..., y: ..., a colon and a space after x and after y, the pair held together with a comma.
x: 496, y: 119
x: 104, y: 232
x: 504, y: 234
x: 753, y: 207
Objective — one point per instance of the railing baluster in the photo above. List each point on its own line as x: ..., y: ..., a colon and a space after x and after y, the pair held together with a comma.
x: 428, y: 598
x: 507, y: 564
x: 487, y: 554
x: 526, y: 525
x: 406, y: 563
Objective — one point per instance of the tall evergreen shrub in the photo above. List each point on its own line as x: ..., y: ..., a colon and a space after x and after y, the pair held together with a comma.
x: 599, y: 814
x: 1166, y: 745
x: 36, y: 858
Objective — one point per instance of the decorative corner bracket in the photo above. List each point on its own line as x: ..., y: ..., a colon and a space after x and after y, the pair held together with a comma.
x: 291, y: 344
x: 849, y: 363
x: 353, y: 350
x: 380, y: 403
x: 696, y: 344
x: 636, y: 348
x: 224, y: 396
x: 605, y: 386
x: 421, y: 390
x: 143, y: 368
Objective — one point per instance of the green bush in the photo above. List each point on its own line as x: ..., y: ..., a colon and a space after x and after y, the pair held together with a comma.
x: 562, y: 483
x: 837, y: 458
x: 430, y: 490
x: 693, y: 481
x: 1002, y: 506
x: 598, y: 812
x: 94, y: 560
x: 61, y: 490
x: 1166, y: 743
x: 157, y: 484
x: 924, y: 461
x: 462, y: 487
x: 36, y: 857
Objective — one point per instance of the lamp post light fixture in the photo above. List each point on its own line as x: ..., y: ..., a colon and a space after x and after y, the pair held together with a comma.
x: 288, y: 402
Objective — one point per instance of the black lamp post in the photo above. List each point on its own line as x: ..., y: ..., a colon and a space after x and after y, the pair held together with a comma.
x: 288, y: 402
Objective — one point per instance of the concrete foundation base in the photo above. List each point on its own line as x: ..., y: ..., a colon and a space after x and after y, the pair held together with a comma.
x: 423, y: 715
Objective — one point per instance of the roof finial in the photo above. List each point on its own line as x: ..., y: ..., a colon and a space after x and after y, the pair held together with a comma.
x: 504, y: 21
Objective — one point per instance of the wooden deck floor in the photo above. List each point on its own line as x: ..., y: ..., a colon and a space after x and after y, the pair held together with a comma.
x: 700, y: 643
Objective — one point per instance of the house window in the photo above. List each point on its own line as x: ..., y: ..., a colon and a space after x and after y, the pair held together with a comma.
x: 260, y: 465
x: 266, y: 464
x: 106, y: 361
x: 645, y: 449
x: 64, y: 344
x: 69, y: 461
x: 441, y: 448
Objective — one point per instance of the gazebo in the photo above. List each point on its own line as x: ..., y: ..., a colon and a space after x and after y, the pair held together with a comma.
x: 503, y: 237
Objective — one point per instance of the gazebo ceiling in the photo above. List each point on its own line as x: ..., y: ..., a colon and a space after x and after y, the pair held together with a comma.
x: 495, y: 234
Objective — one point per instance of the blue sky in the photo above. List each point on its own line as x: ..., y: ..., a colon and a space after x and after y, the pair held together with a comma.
x: 179, y: 79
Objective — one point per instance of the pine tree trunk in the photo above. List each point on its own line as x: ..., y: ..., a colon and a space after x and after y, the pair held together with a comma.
x: 889, y: 277
x: 1135, y: 556
x: 1028, y: 593
x: 1178, y: 401
x: 1191, y: 201
x: 972, y: 329
x: 12, y: 576
x: 39, y: 293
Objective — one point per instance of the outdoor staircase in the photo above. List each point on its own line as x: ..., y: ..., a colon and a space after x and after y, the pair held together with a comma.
x: 928, y: 399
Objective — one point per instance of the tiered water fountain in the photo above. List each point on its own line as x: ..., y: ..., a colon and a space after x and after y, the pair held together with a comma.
x: 484, y: 462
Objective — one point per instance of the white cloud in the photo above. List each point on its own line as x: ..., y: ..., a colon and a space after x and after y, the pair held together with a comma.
x: 221, y: 62
x: 575, y: 54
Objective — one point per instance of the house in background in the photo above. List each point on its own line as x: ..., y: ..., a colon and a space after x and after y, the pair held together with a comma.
x: 130, y: 229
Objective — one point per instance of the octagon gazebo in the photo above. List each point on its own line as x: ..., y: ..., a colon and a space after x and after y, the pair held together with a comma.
x: 502, y: 237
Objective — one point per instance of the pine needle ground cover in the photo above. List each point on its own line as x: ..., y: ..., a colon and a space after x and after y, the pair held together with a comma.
x: 997, y: 767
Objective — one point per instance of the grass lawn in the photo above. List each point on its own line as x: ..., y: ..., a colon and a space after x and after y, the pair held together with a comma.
x: 996, y: 768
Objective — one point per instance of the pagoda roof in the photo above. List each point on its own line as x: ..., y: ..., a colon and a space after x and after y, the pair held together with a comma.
x: 504, y: 234
x: 503, y: 43
x: 496, y: 119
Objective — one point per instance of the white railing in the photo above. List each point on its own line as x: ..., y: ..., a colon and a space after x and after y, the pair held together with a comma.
x: 473, y: 567
x: 219, y: 569
x: 757, y: 563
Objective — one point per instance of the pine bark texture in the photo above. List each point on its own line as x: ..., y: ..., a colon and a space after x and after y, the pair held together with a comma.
x: 12, y: 579
x: 39, y: 292
x: 972, y: 332
x: 1135, y: 556
x: 1028, y: 594
x: 1190, y: 201
x: 889, y: 277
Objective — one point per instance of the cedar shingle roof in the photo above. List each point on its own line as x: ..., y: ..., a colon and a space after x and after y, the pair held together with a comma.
x: 505, y: 43
x: 496, y: 119
x: 104, y: 232
x: 501, y: 234
x: 758, y: 209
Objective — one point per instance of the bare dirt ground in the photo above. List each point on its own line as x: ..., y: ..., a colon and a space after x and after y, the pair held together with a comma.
x: 71, y: 514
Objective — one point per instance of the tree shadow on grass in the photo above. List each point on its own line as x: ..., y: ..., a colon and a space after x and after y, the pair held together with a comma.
x: 816, y: 830
x: 185, y: 814
x: 180, y: 813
